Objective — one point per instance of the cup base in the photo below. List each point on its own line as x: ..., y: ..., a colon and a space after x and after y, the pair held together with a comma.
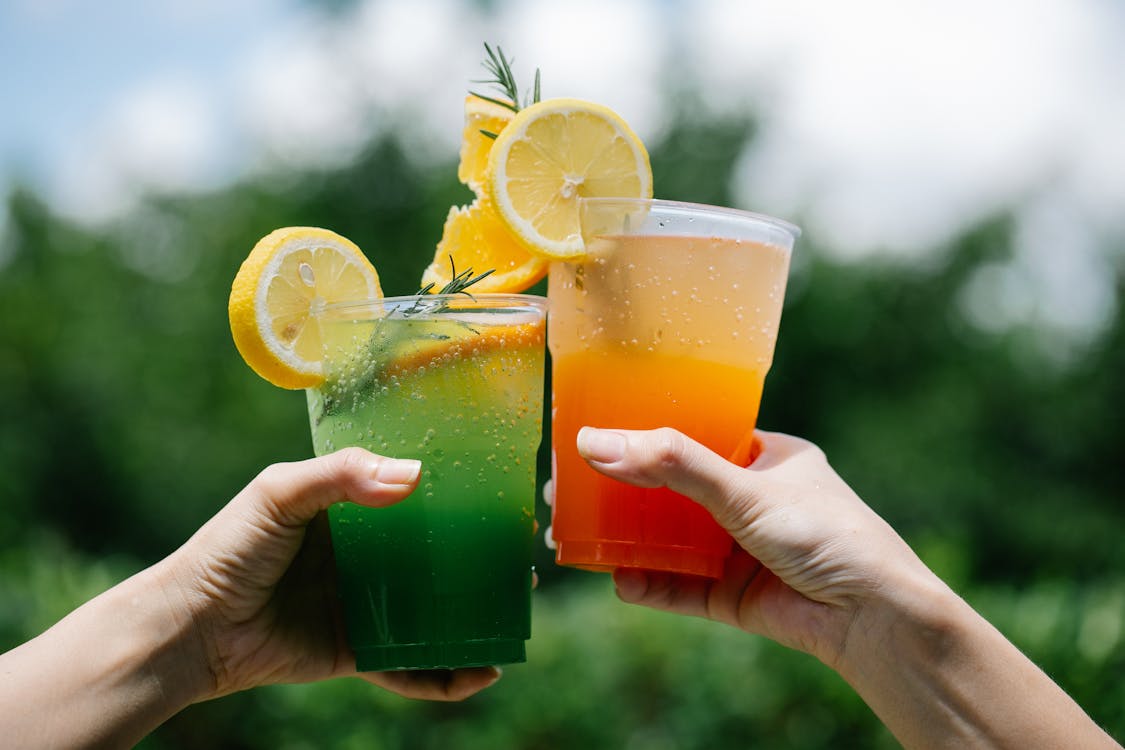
x: 602, y: 556
x: 483, y: 653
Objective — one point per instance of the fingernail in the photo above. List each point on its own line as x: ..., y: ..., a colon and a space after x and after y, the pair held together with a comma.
x: 603, y: 446
x: 400, y: 471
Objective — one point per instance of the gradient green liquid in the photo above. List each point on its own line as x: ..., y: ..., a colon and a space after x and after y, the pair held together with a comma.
x: 442, y: 579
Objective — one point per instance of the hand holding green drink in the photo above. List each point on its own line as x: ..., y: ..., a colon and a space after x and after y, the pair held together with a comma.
x: 455, y: 380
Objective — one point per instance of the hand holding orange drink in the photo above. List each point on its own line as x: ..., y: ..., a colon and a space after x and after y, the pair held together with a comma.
x: 661, y: 314
x: 668, y: 320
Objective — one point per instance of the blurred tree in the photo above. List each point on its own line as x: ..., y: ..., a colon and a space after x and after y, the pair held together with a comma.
x: 128, y: 418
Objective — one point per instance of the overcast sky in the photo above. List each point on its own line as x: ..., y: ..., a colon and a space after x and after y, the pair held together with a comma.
x: 888, y: 127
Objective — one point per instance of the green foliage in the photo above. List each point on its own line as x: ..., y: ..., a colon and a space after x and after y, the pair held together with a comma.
x: 129, y: 418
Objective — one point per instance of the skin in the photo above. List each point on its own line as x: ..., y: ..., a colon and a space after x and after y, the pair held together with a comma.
x: 249, y: 600
x: 819, y: 571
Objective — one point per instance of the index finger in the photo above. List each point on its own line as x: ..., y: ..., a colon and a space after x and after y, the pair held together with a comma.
x: 667, y: 458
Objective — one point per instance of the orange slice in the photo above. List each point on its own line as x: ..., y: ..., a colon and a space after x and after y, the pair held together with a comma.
x: 475, y: 237
x: 483, y: 341
x: 480, y: 114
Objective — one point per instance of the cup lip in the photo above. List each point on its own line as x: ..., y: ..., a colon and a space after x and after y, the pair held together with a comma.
x: 704, y: 208
x: 457, y: 302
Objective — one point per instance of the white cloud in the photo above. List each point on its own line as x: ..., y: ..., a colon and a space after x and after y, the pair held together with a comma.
x: 885, y: 127
x: 164, y: 136
x: 888, y: 126
x: 297, y: 99
x: 609, y: 51
x: 413, y: 61
x: 161, y: 136
x: 89, y: 188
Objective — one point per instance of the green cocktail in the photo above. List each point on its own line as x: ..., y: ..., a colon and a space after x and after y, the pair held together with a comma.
x: 442, y: 579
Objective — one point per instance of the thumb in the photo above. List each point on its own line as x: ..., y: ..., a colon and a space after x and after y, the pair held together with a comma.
x: 293, y: 493
x: 667, y: 458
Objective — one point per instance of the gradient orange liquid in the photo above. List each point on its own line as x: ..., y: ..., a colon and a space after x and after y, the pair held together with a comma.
x: 644, y: 528
x: 656, y: 331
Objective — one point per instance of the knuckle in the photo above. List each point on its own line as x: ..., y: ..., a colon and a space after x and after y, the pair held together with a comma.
x: 669, y: 448
x: 809, y: 447
x: 815, y: 450
x: 351, y: 460
x: 271, y: 476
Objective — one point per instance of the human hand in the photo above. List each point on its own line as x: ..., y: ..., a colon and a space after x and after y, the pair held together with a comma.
x: 819, y: 571
x: 258, y: 580
x: 811, y: 555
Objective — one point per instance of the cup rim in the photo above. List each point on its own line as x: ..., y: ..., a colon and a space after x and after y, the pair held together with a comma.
x: 686, y: 207
x: 462, y: 300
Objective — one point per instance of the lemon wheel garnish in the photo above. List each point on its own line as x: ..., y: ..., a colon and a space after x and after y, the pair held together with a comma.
x: 289, y: 274
x: 554, y: 152
x: 480, y: 115
x: 475, y: 237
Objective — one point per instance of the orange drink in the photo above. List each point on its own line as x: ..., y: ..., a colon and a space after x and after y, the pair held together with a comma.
x: 668, y: 321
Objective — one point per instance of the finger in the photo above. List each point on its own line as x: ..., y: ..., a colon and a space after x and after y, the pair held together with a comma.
x: 670, y: 592
x: 436, y: 684
x: 667, y: 458
x: 549, y: 499
x: 293, y: 493
x: 719, y: 599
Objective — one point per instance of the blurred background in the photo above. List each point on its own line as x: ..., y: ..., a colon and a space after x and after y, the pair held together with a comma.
x: 954, y: 334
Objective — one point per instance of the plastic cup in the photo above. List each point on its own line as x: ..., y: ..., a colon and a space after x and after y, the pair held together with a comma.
x: 670, y: 321
x: 443, y: 578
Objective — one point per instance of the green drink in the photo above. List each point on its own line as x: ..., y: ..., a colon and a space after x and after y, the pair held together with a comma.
x: 442, y: 579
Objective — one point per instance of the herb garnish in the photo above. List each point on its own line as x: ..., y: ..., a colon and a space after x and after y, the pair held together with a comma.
x: 457, y: 285
x: 505, y: 81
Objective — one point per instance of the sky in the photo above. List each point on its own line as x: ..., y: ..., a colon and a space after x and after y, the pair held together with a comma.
x: 887, y: 127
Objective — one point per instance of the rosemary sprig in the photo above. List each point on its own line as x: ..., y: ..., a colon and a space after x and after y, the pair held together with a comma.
x: 458, y: 283
x: 365, y: 370
x: 505, y: 81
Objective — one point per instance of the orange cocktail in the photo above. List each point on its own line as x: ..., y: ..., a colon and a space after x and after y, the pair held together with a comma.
x: 669, y: 321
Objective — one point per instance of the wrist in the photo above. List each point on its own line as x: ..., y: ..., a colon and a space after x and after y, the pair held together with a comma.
x: 115, y: 668
x: 910, y: 619
x: 177, y: 658
x: 149, y: 661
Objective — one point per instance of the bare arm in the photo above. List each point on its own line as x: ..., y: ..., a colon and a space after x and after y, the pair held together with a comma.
x: 105, y: 675
x: 819, y: 571
x: 248, y: 600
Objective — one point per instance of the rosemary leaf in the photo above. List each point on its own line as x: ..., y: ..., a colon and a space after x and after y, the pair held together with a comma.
x: 500, y: 67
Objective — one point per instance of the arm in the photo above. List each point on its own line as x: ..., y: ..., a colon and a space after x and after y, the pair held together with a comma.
x: 248, y: 600
x: 940, y: 676
x: 819, y: 571
x: 105, y: 675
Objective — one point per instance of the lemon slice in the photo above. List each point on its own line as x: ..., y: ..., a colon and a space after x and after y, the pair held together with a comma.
x: 480, y: 114
x: 475, y: 237
x: 289, y: 274
x: 554, y: 152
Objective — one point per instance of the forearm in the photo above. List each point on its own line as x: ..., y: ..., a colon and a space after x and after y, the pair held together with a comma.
x: 940, y: 676
x: 104, y: 676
